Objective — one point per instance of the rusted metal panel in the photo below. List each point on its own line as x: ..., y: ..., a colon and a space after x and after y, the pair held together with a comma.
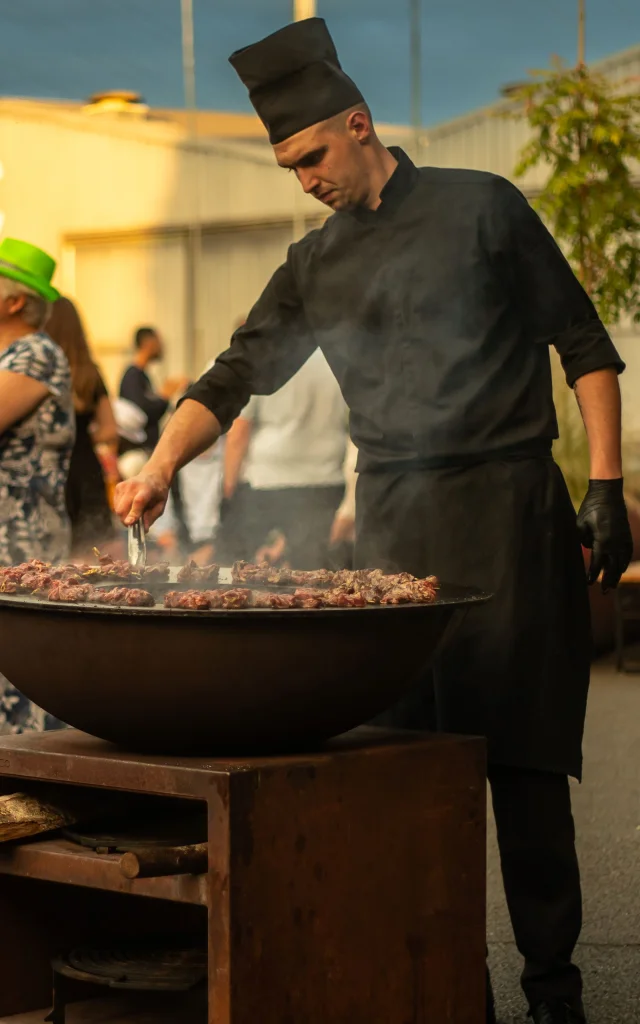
x: 357, y: 889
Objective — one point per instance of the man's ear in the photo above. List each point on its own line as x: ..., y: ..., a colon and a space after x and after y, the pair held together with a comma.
x: 16, y: 303
x: 359, y: 124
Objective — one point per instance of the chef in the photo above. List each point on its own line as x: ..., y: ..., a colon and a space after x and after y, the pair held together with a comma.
x: 434, y: 295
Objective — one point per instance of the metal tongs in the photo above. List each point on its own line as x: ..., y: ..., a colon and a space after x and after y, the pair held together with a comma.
x: 137, y: 546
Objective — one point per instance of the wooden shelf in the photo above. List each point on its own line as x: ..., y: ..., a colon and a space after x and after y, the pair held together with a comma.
x: 57, y: 860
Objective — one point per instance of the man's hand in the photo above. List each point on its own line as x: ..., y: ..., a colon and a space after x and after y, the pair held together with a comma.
x: 603, y: 526
x: 189, y: 432
x: 144, y: 495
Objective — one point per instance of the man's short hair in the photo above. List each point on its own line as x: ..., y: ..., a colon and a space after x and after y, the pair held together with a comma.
x: 142, y: 334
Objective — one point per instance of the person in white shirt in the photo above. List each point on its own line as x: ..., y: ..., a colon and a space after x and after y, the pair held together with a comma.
x: 290, y: 471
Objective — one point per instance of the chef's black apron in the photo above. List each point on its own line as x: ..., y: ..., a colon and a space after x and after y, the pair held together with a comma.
x: 517, y: 669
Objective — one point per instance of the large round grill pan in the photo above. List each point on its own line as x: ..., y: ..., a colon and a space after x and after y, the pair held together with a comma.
x: 220, y: 681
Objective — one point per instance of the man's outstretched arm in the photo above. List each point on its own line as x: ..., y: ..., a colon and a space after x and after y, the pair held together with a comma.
x: 190, y: 431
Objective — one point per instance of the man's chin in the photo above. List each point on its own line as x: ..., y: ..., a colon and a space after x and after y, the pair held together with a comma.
x: 339, y: 204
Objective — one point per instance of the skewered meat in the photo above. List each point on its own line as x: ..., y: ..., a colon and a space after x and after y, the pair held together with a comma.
x: 198, y: 573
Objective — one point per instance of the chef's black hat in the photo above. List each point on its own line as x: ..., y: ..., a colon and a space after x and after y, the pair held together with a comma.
x: 294, y: 78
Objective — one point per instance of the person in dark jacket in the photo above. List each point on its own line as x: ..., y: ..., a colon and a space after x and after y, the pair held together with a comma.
x: 434, y: 295
x: 136, y: 384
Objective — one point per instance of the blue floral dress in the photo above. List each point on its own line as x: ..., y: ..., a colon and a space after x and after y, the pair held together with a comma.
x: 34, y: 463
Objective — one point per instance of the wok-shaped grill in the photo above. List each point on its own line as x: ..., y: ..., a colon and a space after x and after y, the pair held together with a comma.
x: 220, y: 681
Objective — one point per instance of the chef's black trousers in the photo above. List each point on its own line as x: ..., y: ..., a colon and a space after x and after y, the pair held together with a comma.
x: 536, y: 838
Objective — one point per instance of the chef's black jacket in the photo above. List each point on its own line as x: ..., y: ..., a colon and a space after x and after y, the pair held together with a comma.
x: 434, y: 311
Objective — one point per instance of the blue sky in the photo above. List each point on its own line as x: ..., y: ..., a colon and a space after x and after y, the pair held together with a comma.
x: 71, y: 48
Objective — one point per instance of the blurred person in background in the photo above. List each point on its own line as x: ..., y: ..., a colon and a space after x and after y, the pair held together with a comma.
x: 131, y: 424
x: 136, y: 384
x: 136, y: 387
x: 86, y: 494
x: 36, y: 436
x: 284, y: 473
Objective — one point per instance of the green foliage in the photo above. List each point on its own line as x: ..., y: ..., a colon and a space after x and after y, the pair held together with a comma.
x: 586, y: 132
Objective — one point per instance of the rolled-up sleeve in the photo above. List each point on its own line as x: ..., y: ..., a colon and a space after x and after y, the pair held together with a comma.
x: 554, y: 306
x: 264, y: 353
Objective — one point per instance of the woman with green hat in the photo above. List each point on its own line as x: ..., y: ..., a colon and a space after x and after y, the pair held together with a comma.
x: 36, y: 434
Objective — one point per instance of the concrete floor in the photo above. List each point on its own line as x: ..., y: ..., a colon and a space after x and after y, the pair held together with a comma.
x: 607, y: 813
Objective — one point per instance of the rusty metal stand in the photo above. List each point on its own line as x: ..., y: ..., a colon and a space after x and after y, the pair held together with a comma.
x: 345, y: 885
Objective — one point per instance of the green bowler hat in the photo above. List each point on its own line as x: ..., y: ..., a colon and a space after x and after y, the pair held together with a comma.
x: 29, y: 265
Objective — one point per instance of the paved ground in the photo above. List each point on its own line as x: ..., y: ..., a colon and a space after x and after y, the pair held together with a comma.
x: 607, y: 812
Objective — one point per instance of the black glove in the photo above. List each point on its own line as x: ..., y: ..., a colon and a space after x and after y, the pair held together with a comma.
x: 603, y: 526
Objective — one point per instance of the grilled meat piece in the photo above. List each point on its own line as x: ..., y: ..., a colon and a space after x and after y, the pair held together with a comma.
x: 139, y: 599
x: 7, y: 587
x: 247, y: 572
x: 117, y: 595
x: 199, y: 573
x: 310, y: 598
x: 70, y: 594
x: 312, y: 577
x: 339, y: 599
x: 37, y: 580
x: 160, y: 571
x: 282, y: 601
x: 415, y: 592
x: 238, y: 598
x: 193, y: 600
x: 123, y: 596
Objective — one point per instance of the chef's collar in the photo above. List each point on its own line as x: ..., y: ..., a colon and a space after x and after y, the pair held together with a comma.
x: 398, y: 187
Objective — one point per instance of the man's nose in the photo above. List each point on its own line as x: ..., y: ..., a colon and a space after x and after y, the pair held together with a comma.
x: 308, y: 179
